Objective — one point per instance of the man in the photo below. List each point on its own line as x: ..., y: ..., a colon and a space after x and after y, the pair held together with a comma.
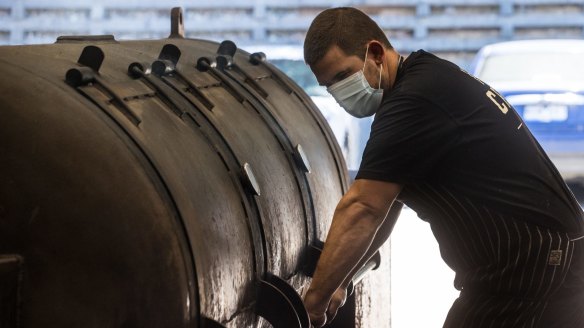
x: 451, y: 148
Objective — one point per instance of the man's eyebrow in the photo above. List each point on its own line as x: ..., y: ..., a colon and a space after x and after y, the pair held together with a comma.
x: 337, y: 77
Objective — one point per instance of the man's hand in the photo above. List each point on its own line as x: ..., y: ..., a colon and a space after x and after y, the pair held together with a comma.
x: 316, y: 308
x: 316, y: 311
x: 338, y: 300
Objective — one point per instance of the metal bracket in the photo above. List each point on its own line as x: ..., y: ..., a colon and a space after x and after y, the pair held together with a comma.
x: 86, y: 38
x: 177, y: 27
x: 206, y: 64
x: 310, y: 257
x: 225, y: 62
x: 225, y: 54
x: 163, y: 68
x: 250, y: 180
x: 79, y: 76
x: 137, y: 69
x: 301, y: 158
x: 90, y: 59
x: 167, y: 60
x: 258, y: 58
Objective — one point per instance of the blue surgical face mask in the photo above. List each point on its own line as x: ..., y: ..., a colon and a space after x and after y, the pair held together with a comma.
x: 355, y: 94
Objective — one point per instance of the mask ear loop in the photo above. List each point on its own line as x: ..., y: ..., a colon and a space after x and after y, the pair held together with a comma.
x: 380, y: 71
x: 365, y: 62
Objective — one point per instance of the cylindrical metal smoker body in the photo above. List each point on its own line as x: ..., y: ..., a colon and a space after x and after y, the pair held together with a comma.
x: 153, y: 200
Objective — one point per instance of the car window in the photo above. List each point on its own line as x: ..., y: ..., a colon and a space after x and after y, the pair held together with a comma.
x: 536, y: 67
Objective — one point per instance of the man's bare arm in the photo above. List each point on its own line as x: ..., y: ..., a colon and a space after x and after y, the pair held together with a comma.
x: 357, y: 218
x: 380, y: 238
x: 339, y: 297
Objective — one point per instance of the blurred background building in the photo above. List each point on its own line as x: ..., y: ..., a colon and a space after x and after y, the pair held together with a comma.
x: 454, y: 29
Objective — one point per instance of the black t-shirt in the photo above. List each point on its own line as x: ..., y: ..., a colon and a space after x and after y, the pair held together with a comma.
x: 457, y: 146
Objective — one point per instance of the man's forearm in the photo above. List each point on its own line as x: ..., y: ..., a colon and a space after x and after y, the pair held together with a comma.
x: 380, y: 238
x: 356, y: 221
x: 350, y: 236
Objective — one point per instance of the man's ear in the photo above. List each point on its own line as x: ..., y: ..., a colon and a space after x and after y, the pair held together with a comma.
x: 376, y: 51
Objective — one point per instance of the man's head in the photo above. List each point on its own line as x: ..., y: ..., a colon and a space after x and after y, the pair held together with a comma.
x: 350, y: 55
x: 347, y: 28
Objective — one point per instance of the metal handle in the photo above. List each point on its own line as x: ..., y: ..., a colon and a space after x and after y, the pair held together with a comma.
x: 280, y: 304
x: 370, y: 265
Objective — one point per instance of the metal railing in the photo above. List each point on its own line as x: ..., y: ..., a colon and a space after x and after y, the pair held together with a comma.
x: 450, y: 27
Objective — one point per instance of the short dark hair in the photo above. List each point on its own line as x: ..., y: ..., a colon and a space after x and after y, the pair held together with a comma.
x: 348, y: 28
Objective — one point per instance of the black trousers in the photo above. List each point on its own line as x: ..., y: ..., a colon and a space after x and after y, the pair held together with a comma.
x: 562, y: 308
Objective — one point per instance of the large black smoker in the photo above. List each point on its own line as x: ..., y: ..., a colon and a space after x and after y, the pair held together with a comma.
x: 169, y: 183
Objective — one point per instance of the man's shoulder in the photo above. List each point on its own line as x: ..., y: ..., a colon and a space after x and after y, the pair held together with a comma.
x: 421, y: 59
x: 418, y: 78
x: 427, y: 76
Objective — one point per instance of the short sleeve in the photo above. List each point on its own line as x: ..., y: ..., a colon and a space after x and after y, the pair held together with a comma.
x: 409, y: 138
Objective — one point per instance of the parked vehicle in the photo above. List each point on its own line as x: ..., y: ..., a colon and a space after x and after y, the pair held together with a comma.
x: 544, y: 81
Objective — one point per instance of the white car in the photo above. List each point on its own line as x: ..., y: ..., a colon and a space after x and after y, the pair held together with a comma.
x: 544, y: 81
